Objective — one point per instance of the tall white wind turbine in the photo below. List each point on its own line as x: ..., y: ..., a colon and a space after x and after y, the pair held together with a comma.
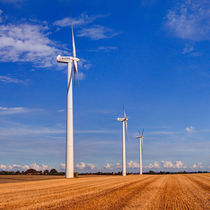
x: 140, y: 137
x: 124, y: 130
x: 69, y: 119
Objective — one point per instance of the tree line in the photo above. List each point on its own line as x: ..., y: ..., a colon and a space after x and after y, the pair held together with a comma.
x: 55, y: 172
x: 32, y: 171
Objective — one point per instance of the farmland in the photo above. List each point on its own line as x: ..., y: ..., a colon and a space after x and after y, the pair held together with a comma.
x: 180, y: 191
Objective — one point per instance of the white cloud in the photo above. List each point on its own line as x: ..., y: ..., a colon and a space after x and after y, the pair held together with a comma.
x: 167, y: 164
x: 153, y: 165
x: 13, y: 110
x: 177, y: 165
x: 197, y: 166
x: 108, y: 166
x: 83, y: 19
x: 39, y: 167
x: 97, y: 32
x: 81, y: 165
x: 190, y: 129
x: 7, y: 79
x: 91, y: 166
x: 15, y: 167
x: 132, y: 164
x: 190, y: 20
x: 85, y: 166
x: 3, y: 167
x: 156, y: 165
x: 112, y: 166
x: 27, y: 43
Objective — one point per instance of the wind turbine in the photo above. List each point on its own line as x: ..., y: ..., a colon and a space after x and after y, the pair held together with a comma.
x: 140, y: 137
x: 69, y: 118
x: 124, y: 122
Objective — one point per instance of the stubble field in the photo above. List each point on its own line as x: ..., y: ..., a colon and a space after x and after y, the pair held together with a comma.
x: 184, y: 191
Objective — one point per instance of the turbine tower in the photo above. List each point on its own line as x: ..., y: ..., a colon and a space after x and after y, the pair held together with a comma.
x: 140, y: 137
x: 124, y: 122
x: 69, y: 118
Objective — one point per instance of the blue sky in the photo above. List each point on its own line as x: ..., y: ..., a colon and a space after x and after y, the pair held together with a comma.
x: 150, y: 56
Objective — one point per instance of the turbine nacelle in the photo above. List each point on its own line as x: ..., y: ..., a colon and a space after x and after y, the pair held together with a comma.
x: 66, y: 59
x: 122, y: 119
x: 139, y: 137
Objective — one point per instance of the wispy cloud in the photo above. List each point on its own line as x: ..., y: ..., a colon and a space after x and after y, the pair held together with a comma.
x: 187, y: 49
x: 148, y: 3
x: 94, y: 32
x: 14, y: 110
x: 84, y: 64
x: 61, y: 110
x: 0, y: 15
x: 11, y: 1
x: 96, y: 131
x: 27, y: 43
x: 190, y: 129
x: 83, y: 19
x: 29, y: 131
x: 8, y: 79
x: 97, y: 32
x: 190, y: 20
x: 163, y: 132
x: 104, y: 48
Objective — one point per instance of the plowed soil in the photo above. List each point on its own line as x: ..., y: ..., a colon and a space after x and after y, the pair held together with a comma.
x: 184, y: 191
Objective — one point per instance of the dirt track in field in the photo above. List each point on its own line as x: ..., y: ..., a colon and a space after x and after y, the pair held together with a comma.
x: 190, y: 191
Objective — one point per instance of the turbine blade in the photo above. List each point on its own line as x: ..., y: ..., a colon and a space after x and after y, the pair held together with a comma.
x: 73, y: 42
x: 125, y: 115
x: 143, y: 132
x: 76, y: 75
x: 75, y: 67
x: 74, y: 54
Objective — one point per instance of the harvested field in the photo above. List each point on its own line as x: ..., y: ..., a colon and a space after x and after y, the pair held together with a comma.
x: 184, y: 191
x: 24, y: 178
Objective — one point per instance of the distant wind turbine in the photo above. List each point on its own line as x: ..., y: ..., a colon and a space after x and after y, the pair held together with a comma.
x: 124, y: 122
x: 140, y: 137
x: 69, y: 119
